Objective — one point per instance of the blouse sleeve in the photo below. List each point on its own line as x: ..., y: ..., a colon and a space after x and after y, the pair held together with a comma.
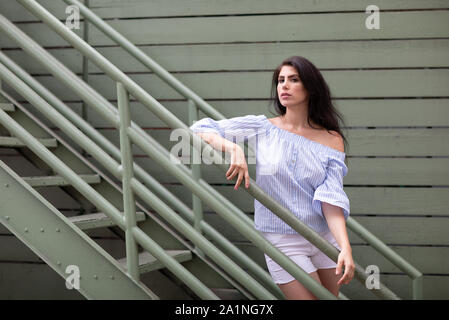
x: 331, y: 190
x: 241, y: 128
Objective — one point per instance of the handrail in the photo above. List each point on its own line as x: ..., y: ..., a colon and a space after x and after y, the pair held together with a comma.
x: 146, y: 60
x: 142, y: 57
x: 110, y: 114
x: 161, y: 191
x: 127, y: 175
x: 148, y: 197
x: 84, y: 188
x: 170, y: 119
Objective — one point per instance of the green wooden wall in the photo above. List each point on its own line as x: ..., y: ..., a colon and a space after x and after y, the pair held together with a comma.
x: 391, y: 85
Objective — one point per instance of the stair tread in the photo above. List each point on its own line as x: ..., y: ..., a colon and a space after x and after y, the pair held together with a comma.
x: 228, y: 293
x: 40, y: 181
x: 6, y: 106
x: 148, y: 263
x: 99, y: 220
x: 16, y: 142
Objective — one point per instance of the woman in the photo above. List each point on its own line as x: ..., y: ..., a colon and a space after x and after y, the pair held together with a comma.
x: 300, y: 163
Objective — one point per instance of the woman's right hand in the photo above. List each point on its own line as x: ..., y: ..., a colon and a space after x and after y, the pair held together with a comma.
x: 238, y: 167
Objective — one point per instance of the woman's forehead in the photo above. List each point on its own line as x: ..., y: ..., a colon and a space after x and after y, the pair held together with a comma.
x: 288, y: 71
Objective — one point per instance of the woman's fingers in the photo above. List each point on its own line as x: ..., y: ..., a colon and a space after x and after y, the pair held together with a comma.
x: 246, y: 179
x: 239, y: 180
x: 230, y: 170
x: 242, y: 174
x: 232, y: 174
x: 348, y: 275
x: 339, y: 267
x: 238, y: 166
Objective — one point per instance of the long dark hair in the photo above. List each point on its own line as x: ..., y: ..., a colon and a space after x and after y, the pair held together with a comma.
x: 321, y: 109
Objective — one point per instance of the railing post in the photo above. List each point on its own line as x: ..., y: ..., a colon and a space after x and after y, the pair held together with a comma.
x: 85, y: 61
x: 195, y: 165
x: 418, y: 288
x: 132, y: 260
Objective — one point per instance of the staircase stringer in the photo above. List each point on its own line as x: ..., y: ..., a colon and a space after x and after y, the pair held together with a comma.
x: 60, y: 244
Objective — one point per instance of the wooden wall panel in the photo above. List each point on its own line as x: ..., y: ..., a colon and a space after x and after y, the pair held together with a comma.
x: 394, y: 80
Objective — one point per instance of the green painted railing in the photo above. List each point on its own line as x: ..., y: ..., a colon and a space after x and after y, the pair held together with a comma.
x: 195, y: 101
x: 137, y: 90
x: 202, y: 190
x: 144, y: 176
x: 95, y: 100
x: 85, y: 189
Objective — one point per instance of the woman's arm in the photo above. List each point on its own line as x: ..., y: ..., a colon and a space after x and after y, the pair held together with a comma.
x: 238, y: 160
x: 337, y: 224
x: 217, y: 142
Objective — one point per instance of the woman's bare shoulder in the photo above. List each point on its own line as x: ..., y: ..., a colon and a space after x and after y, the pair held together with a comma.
x: 334, y: 140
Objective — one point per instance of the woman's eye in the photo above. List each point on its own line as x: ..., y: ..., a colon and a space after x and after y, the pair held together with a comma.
x: 293, y: 79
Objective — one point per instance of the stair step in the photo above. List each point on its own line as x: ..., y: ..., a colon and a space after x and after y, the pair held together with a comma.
x: 13, y: 142
x: 228, y: 294
x: 7, y: 107
x: 51, y: 181
x: 99, y: 220
x: 148, y: 263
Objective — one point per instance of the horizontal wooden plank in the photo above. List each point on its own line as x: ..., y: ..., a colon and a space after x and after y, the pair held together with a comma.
x: 391, y: 230
x: 325, y: 55
x: 256, y: 85
x: 246, y: 56
x: 399, y: 142
x: 362, y: 172
x: 40, y: 36
x: 357, y: 113
x: 408, y: 230
x: 272, y: 28
x: 159, y: 8
x: 434, y: 287
x: 21, y: 281
x: 362, y: 142
x: 228, y: 29
x: 397, y: 171
x: 428, y: 260
x: 136, y: 8
x: 16, y: 12
x: 364, y: 201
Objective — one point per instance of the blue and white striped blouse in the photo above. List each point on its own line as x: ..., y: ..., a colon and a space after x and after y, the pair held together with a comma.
x: 297, y: 172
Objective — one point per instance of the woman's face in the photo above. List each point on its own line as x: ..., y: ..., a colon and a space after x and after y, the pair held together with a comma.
x: 291, y: 91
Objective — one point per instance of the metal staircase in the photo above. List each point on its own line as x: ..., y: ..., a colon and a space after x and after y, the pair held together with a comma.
x: 107, y: 184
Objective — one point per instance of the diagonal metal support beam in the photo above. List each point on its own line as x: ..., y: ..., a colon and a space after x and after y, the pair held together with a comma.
x: 43, y: 229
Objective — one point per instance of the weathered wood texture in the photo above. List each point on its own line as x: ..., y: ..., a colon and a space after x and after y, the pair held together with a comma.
x: 394, y: 80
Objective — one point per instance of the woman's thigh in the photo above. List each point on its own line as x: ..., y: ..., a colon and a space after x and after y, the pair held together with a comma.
x: 294, y: 290
x: 329, y: 280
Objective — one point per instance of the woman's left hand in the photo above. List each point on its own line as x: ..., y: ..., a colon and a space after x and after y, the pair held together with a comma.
x: 345, y: 259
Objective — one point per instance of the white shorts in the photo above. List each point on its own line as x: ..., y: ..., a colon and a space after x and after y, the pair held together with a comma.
x: 301, y: 251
